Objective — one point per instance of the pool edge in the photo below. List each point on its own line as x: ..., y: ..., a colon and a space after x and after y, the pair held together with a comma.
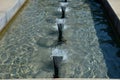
x: 9, y: 14
x: 112, y: 17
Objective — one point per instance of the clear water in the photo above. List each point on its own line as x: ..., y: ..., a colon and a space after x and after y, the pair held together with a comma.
x: 90, y: 52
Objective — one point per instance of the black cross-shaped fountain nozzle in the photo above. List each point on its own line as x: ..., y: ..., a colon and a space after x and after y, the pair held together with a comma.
x: 57, y: 62
x: 63, y: 11
x: 65, y: 0
x: 60, y: 31
x: 61, y: 39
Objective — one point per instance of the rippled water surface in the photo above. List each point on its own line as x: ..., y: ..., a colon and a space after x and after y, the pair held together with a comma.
x: 26, y: 48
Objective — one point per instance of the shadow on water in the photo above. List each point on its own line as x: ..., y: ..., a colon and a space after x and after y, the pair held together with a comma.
x: 47, y: 42
x: 53, y: 33
x: 107, y: 44
x: 48, y: 67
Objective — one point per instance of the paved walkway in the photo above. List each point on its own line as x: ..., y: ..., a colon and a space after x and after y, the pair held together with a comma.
x: 8, y: 8
x: 5, y: 5
x: 115, y: 4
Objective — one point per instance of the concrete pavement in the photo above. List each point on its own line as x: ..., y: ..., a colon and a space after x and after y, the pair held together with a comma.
x: 8, y: 8
x: 115, y: 4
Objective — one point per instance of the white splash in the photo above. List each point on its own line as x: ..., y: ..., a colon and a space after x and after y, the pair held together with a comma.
x: 56, y: 27
x: 58, y: 52
x: 63, y: 4
x: 60, y: 21
x: 66, y: 10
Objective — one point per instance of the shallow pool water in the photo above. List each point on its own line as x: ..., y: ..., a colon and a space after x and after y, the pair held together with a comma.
x: 26, y: 48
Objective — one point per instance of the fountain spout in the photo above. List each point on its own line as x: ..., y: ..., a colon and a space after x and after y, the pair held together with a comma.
x: 63, y: 11
x: 65, y: 0
x: 60, y: 36
x: 57, y: 61
x: 58, y: 56
x: 60, y: 32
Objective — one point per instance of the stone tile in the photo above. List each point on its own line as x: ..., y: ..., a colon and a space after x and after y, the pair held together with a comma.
x: 12, y: 10
x: 3, y: 20
x: 115, y: 5
x: 6, y: 5
x: 8, y: 10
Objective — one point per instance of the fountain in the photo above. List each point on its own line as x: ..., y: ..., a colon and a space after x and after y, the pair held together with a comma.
x: 63, y: 11
x: 60, y: 31
x: 57, y: 59
x: 61, y: 22
x: 58, y: 56
x: 90, y: 52
x: 63, y: 8
x: 65, y: 0
x: 60, y: 36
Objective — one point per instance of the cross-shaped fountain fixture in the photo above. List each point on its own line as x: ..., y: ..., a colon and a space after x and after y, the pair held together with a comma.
x: 60, y: 25
x: 65, y: 0
x: 63, y: 6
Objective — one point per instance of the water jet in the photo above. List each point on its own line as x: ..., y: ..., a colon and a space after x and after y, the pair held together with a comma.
x: 58, y: 56
x: 63, y: 6
x: 63, y: 11
x: 60, y: 34
x: 60, y: 26
x: 56, y: 62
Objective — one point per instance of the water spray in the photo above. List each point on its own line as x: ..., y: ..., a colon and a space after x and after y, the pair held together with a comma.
x: 63, y: 6
x: 58, y: 56
x: 60, y: 26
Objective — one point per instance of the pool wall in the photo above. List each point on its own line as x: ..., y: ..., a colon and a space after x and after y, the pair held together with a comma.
x: 112, y: 13
x: 8, y: 9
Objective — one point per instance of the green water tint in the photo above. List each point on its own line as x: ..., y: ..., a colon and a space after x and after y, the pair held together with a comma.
x: 26, y: 48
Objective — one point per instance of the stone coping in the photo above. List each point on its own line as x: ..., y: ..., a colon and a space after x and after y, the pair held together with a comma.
x: 112, y: 10
x: 8, y: 8
x: 115, y: 6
